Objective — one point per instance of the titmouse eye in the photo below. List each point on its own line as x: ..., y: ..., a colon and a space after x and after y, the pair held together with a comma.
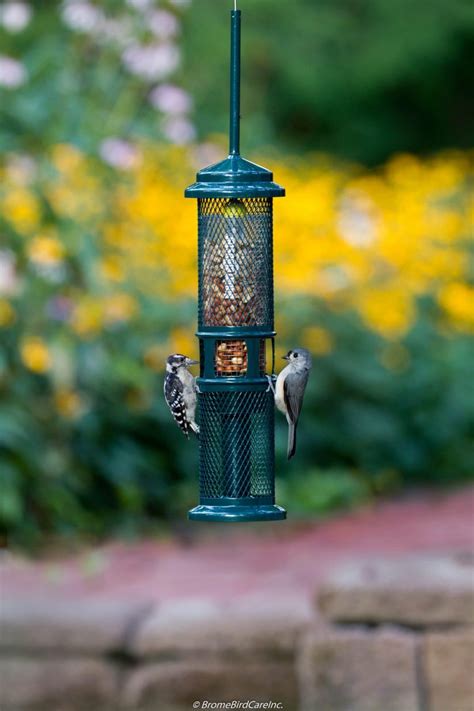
x: 295, y: 355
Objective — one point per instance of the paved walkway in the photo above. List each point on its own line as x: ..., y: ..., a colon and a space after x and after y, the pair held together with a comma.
x: 227, y: 562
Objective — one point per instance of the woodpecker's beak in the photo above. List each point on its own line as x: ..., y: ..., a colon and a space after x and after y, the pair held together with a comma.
x: 286, y: 357
x: 190, y: 361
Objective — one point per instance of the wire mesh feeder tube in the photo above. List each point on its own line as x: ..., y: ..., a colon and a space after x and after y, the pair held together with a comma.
x: 235, y: 322
x: 237, y: 456
x: 235, y: 262
x: 237, y: 478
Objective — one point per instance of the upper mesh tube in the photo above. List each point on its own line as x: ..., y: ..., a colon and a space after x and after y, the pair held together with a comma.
x: 235, y: 262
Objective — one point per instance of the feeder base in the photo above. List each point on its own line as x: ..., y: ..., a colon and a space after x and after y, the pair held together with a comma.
x: 236, y: 513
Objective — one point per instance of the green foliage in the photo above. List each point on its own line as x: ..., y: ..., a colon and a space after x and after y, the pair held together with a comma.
x: 320, y: 492
x: 112, y: 469
x: 362, y: 79
x: 381, y: 408
x: 122, y: 466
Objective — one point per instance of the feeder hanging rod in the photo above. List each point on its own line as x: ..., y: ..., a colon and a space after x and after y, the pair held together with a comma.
x: 234, y: 133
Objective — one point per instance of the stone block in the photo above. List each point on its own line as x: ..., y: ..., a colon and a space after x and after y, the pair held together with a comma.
x: 188, y: 627
x: 420, y: 590
x: 75, y: 627
x: 358, y: 670
x: 448, y: 669
x: 59, y: 684
x: 178, y: 684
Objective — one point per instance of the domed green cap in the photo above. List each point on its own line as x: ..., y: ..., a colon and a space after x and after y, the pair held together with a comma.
x: 234, y: 177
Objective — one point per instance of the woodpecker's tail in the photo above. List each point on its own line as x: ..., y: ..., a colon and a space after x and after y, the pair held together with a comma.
x: 291, y: 439
x: 195, y: 428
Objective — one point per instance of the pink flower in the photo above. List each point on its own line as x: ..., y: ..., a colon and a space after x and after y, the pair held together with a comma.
x: 163, y: 24
x: 170, y: 99
x: 152, y: 61
x: 178, y: 129
x: 119, y: 153
x: 12, y: 72
x: 8, y: 276
x: 119, y: 30
x: 81, y: 16
x: 15, y: 16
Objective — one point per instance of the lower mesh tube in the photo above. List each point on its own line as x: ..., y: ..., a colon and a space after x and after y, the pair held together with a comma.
x: 237, y: 472
x: 236, y: 444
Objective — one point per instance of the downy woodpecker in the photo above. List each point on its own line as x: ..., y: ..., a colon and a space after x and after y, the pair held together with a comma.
x: 180, y: 392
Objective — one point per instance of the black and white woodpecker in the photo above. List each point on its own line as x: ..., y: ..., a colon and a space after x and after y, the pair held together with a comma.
x: 180, y: 392
x: 290, y: 388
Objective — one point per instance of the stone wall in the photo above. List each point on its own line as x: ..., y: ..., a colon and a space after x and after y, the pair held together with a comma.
x: 379, y: 636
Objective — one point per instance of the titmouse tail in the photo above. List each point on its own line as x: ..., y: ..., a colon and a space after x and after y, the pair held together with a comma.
x: 291, y: 439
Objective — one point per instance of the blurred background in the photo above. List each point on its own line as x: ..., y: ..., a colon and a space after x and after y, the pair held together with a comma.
x: 364, y: 111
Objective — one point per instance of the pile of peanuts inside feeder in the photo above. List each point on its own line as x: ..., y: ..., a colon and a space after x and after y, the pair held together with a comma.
x: 231, y: 358
x: 232, y: 271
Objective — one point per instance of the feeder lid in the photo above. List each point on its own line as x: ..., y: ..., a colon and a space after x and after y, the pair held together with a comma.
x: 234, y: 177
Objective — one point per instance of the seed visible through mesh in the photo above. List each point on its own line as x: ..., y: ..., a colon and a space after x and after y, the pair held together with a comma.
x: 236, y: 262
x: 231, y: 358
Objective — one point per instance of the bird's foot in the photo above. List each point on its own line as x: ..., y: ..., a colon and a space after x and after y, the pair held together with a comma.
x: 270, y: 384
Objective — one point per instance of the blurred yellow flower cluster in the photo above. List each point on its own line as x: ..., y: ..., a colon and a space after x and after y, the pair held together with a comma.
x: 45, y: 249
x: 373, y: 241
x: 7, y: 313
x: 91, y: 314
x: 376, y: 241
x: 35, y: 355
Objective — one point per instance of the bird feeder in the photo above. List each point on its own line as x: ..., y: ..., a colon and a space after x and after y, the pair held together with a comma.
x: 236, y: 329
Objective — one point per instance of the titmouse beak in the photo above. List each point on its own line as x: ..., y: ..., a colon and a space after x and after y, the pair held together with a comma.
x: 190, y: 361
x: 286, y: 357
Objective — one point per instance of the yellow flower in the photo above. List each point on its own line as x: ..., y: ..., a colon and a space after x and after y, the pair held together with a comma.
x: 155, y: 356
x: 389, y: 311
x: 46, y: 250
x: 7, y: 313
x: 35, y: 355
x: 404, y: 170
x: 20, y: 208
x: 317, y: 340
x: 87, y: 318
x: 112, y: 268
x: 183, y: 341
x: 457, y: 300
x: 67, y: 158
x: 119, y: 307
x: 68, y: 403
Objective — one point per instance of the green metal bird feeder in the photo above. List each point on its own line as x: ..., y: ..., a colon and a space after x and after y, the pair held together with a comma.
x: 235, y: 324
